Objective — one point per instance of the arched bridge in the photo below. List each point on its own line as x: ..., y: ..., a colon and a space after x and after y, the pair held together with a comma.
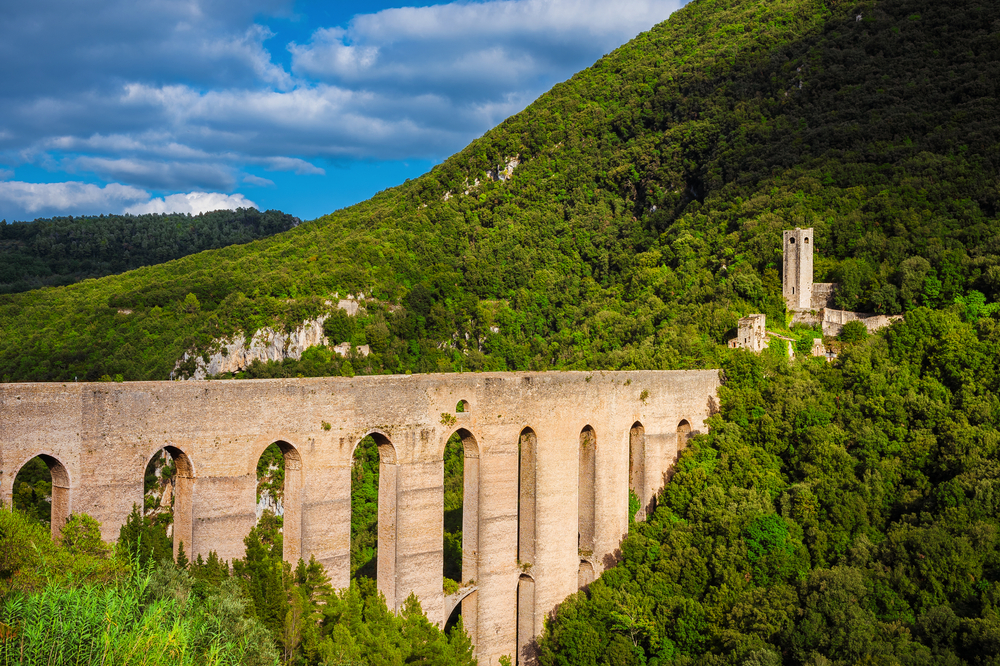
x: 549, y: 460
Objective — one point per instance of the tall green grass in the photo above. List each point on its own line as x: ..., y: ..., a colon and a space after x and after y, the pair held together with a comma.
x: 115, y: 625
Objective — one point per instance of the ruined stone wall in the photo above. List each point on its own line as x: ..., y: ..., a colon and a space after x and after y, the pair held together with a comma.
x: 834, y: 320
x: 822, y: 295
x: 102, y: 435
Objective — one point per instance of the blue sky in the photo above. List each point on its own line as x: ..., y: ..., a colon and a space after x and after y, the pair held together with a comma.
x: 138, y: 106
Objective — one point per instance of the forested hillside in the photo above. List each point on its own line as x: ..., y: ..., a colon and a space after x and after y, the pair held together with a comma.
x: 64, y: 250
x: 835, y: 514
x: 642, y: 219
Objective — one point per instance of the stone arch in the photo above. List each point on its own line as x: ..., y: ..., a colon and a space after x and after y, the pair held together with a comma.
x: 525, y: 620
x: 637, y: 466
x: 183, y: 491
x: 683, y: 434
x: 291, y: 530
x: 585, y: 574
x: 462, y: 407
x: 526, y: 493
x: 385, y: 555
x: 586, y: 499
x: 386, y: 449
x: 453, y: 605
x: 470, y: 504
x: 470, y: 526
x: 61, y: 506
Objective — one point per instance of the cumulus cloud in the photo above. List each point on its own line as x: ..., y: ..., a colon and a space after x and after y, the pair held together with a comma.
x: 193, y: 202
x: 34, y: 198
x: 183, y: 95
x: 157, y: 174
x: 474, y: 49
x: 20, y: 200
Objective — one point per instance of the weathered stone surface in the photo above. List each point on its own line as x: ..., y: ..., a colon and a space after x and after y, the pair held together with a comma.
x: 797, y: 265
x: 236, y: 355
x: 834, y: 320
x: 751, y: 333
x: 98, y: 439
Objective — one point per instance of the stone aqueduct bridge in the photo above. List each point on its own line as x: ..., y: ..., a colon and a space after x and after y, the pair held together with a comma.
x: 549, y: 460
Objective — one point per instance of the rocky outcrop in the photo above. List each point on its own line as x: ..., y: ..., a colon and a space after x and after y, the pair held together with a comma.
x: 236, y: 354
x: 269, y: 503
x: 501, y: 172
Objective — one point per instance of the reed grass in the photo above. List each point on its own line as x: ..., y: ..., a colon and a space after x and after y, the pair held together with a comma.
x: 112, y: 625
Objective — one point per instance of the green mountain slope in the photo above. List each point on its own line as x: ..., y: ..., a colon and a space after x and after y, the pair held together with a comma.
x: 644, y: 216
x: 835, y: 514
x: 64, y: 250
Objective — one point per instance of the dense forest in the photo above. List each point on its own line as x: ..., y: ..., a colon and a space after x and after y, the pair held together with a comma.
x: 642, y: 220
x: 63, y: 250
x: 836, y: 513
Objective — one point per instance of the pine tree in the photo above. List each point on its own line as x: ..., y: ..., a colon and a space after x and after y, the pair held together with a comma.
x: 182, y: 560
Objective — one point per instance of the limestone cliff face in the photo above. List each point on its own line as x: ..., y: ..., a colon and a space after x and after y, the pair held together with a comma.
x: 236, y: 354
x: 269, y: 503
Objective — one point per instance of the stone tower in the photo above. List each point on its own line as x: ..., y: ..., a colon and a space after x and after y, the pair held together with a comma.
x: 797, y: 278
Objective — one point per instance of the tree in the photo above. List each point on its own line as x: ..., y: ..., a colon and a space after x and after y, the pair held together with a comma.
x: 81, y: 535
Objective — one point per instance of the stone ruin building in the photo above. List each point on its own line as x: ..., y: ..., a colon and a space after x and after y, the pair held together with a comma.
x: 812, y: 302
x: 751, y: 333
x: 809, y: 302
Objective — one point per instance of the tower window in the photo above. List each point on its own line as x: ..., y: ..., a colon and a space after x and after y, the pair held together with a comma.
x: 791, y: 241
x: 806, y: 240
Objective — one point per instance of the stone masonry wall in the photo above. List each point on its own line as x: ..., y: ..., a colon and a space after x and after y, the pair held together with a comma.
x: 100, y: 436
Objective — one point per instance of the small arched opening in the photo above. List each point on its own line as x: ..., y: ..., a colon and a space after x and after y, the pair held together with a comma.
x: 462, y: 407
x: 587, y: 501
x: 373, y: 514
x: 168, y: 486
x: 683, y: 435
x: 526, y: 492
x: 525, y: 620
x: 461, y: 516
x: 457, y: 614
x: 279, y: 500
x: 41, y: 490
x: 637, y: 471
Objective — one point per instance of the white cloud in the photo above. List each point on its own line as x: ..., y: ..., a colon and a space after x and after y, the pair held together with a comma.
x: 19, y: 200
x: 157, y: 174
x: 257, y: 181
x: 183, y: 95
x: 453, y: 45
x: 70, y: 196
x: 193, y: 202
x: 5, y: 174
x: 300, y: 167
